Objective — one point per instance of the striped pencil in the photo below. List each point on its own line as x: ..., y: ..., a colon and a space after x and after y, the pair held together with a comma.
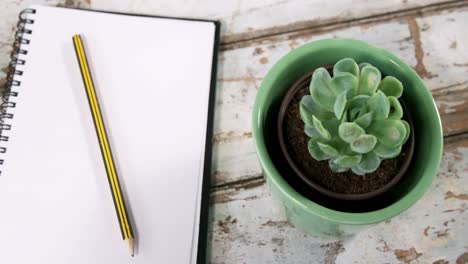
x: 122, y: 215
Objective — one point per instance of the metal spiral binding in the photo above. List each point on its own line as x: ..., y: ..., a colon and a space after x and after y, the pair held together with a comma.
x: 8, y: 93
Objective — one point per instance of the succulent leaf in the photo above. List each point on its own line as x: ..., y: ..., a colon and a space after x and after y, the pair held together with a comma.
x: 354, y: 114
x: 379, y: 105
x: 344, y: 82
x: 362, y: 65
x: 363, y: 143
x: 329, y: 150
x: 314, y: 109
x: 369, y: 80
x: 365, y: 120
x: 346, y: 161
x: 351, y: 93
x: 340, y: 105
x: 321, y: 129
x: 357, y: 171
x: 321, y: 91
x: 306, y: 115
x: 408, y: 131
x: 335, y: 167
x: 346, y: 65
x: 349, y: 131
x: 340, y: 145
x: 389, y: 132
x: 396, y: 111
x: 344, y: 116
x: 315, y: 151
x: 391, y: 86
x: 358, y: 101
x: 311, y: 132
x: 369, y: 162
x: 353, y: 119
x: 331, y: 125
x: 385, y: 152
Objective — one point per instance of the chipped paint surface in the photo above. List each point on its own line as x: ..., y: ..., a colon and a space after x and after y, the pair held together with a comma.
x: 452, y: 102
x: 246, y: 225
x: 441, y: 56
x: 420, y: 68
x: 407, y: 255
x: 433, y: 229
x: 244, y: 20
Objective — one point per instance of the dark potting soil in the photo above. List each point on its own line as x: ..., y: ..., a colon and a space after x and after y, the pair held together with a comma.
x: 319, y: 171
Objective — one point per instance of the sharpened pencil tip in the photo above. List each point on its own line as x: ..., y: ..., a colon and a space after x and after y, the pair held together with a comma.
x: 131, y: 246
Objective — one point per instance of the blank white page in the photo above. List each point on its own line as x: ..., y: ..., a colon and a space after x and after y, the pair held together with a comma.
x: 152, y: 77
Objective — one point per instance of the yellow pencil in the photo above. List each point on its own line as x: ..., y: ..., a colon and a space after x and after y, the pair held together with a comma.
x: 125, y: 227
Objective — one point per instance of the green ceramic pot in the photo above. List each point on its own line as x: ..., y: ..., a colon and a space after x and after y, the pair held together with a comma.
x: 311, y: 213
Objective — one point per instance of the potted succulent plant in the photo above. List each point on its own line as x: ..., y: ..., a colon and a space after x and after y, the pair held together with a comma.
x: 352, y: 121
x: 347, y: 135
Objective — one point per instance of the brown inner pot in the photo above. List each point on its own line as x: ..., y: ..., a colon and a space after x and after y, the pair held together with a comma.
x: 317, y: 174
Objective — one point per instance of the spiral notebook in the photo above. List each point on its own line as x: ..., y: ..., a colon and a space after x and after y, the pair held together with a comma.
x: 155, y: 78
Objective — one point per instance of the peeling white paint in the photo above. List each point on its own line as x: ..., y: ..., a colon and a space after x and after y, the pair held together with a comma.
x: 256, y: 16
x: 445, y: 47
x: 449, y: 107
x: 260, y: 220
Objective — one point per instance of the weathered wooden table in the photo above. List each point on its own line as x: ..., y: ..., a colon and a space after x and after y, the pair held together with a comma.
x: 246, y: 226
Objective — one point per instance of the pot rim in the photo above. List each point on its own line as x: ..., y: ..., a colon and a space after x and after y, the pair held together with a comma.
x: 275, y: 179
x: 340, y: 196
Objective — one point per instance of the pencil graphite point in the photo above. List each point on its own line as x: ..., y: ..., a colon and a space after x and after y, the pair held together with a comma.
x: 131, y: 246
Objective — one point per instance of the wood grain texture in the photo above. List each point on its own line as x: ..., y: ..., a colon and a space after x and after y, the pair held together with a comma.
x: 444, y: 50
x: 442, y: 65
x: 244, y: 20
x: 247, y: 224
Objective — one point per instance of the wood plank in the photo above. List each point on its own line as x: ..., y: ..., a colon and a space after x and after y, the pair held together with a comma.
x: 453, y: 107
x: 442, y: 64
x: 247, y: 224
x: 441, y: 50
x: 442, y: 59
x: 243, y: 20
